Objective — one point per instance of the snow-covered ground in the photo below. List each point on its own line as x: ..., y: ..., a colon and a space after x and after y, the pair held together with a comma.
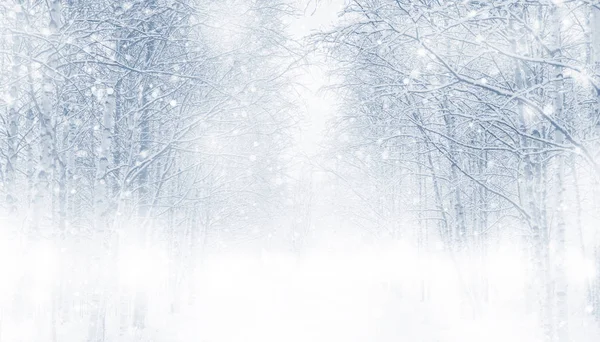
x: 337, y: 289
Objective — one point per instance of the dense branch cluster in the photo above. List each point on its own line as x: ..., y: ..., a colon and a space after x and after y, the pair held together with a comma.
x: 137, y: 123
x: 487, y: 114
x: 109, y: 107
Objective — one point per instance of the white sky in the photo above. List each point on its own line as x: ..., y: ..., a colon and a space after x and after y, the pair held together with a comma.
x: 319, y: 105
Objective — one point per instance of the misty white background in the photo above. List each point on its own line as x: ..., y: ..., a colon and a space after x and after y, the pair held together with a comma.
x: 323, y: 268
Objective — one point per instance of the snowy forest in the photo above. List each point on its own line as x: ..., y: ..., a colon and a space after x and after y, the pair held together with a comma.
x: 299, y: 170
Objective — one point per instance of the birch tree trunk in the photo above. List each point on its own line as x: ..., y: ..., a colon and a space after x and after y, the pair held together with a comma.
x: 560, y: 279
x: 13, y: 121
